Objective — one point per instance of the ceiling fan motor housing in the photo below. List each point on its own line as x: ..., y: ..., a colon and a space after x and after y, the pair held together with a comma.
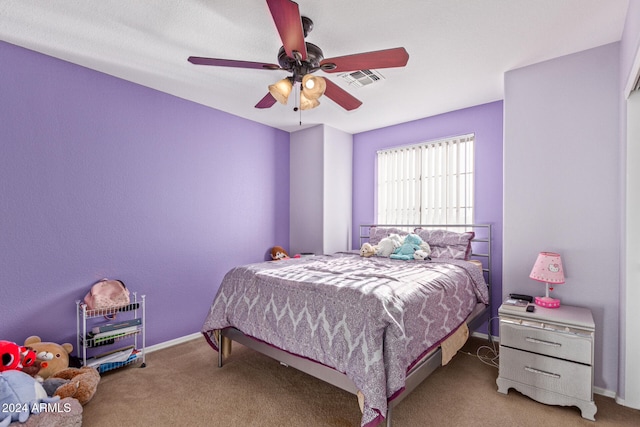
x: 299, y: 67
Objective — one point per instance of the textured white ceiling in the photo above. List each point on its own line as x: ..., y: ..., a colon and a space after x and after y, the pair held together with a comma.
x: 458, y: 49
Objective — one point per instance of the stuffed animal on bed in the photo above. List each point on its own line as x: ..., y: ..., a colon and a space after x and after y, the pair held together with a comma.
x: 424, y: 252
x: 388, y: 244
x: 425, y: 247
x: 368, y: 250
x: 278, y: 252
x: 409, y: 247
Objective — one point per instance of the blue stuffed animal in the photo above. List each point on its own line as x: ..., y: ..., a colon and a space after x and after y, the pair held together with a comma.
x: 20, y: 396
x: 407, y: 249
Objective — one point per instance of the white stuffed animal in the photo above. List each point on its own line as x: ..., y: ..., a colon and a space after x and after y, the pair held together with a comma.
x: 420, y: 255
x: 388, y: 244
x: 426, y: 248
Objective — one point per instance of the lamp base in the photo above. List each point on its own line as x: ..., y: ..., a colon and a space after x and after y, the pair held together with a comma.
x: 547, y: 302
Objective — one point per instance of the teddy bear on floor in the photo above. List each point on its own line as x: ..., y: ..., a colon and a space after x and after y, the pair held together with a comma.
x: 81, y: 383
x: 408, y: 248
x: 50, y: 357
x: 58, y: 379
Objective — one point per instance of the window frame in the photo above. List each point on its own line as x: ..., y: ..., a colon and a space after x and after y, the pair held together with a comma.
x: 410, y: 206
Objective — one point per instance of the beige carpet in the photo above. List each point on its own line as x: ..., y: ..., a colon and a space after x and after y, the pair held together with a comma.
x: 182, y: 386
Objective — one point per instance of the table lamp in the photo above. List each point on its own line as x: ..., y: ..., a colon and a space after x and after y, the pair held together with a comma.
x: 548, y: 269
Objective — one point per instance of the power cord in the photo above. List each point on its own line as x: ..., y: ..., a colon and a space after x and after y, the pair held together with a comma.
x: 487, y: 354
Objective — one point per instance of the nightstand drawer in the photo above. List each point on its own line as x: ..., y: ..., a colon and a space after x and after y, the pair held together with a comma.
x: 563, y: 345
x: 546, y: 373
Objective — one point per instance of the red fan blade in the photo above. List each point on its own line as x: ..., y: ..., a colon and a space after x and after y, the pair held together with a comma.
x: 286, y: 16
x: 266, y: 102
x: 341, y: 97
x: 387, y: 58
x: 231, y: 63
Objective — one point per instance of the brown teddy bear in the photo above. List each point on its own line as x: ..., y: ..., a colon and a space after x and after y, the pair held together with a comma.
x: 82, y: 383
x: 50, y: 357
x: 52, y: 365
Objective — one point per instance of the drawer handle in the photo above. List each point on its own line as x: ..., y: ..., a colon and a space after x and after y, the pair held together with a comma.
x: 538, y: 371
x: 537, y: 341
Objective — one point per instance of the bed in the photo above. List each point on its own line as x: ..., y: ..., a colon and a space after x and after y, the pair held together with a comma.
x: 373, y: 326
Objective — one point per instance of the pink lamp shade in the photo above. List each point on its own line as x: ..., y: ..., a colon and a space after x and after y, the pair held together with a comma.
x: 548, y: 269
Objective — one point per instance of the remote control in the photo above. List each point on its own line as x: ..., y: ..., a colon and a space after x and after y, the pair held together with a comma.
x: 522, y: 297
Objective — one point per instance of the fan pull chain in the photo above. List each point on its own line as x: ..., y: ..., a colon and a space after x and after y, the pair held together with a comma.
x: 297, y: 107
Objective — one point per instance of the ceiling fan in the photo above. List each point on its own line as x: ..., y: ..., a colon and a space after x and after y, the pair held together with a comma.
x: 302, y: 59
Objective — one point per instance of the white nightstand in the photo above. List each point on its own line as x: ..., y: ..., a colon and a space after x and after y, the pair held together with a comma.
x: 548, y: 355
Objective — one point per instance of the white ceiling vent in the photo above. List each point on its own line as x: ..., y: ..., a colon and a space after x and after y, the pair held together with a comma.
x: 362, y: 77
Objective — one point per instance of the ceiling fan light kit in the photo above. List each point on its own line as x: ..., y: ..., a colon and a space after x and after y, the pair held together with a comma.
x: 281, y: 90
x: 302, y: 59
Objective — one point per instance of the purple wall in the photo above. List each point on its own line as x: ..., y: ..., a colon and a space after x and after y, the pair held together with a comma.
x: 485, y: 121
x: 562, y: 186
x: 100, y: 177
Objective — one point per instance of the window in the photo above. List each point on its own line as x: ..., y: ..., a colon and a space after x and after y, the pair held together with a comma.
x: 428, y: 183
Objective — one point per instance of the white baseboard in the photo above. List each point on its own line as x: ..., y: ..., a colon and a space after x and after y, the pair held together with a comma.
x: 171, y: 343
x: 604, y: 392
x: 622, y: 402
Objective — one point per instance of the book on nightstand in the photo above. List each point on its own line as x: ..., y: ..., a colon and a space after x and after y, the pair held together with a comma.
x: 515, y: 304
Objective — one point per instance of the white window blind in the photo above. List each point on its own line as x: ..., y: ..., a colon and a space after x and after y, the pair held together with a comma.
x: 428, y: 183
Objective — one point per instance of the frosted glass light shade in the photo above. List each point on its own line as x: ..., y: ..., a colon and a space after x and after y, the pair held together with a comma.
x: 281, y: 90
x: 306, y: 103
x: 313, y: 87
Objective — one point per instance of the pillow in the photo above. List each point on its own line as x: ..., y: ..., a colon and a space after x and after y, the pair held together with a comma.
x: 378, y: 233
x: 447, y: 244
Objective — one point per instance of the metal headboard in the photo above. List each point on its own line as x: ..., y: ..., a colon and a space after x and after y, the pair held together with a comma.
x: 480, y: 245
